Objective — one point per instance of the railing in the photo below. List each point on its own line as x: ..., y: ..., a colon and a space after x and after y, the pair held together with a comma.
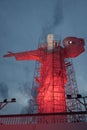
x: 44, y: 118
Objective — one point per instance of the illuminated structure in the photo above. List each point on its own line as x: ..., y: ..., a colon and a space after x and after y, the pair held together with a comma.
x: 52, y: 71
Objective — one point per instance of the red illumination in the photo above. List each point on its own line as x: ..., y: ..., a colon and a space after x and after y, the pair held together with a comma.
x: 51, y: 91
x: 73, y: 46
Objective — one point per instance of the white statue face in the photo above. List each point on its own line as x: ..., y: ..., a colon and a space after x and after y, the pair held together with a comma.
x: 50, y: 41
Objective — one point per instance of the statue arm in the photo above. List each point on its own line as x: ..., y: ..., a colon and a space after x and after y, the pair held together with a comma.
x: 10, y: 54
x: 27, y: 55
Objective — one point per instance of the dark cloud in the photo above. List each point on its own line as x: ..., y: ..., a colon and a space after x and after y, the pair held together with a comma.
x: 58, y: 14
x: 30, y: 108
x: 55, y: 21
x: 3, y: 90
x: 25, y: 88
x: 26, y: 91
x: 25, y: 110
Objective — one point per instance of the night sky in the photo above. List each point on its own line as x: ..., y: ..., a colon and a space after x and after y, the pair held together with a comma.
x: 22, y: 24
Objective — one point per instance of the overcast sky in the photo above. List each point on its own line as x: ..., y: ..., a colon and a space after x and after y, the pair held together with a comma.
x: 22, y: 24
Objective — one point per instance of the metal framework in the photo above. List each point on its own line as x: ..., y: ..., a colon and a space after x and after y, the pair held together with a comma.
x: 52, y: 90
x: 71, y: 88
x: 73, y: 103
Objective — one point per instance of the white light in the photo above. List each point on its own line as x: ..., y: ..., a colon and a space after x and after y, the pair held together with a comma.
x: 70, y: 42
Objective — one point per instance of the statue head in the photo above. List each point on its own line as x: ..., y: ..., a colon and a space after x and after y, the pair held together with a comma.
x: 50, y: 42
x: 73, y: 46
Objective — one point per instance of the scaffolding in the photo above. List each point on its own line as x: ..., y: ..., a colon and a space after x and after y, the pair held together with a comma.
x: 51, y: 82
x: 71, y: 88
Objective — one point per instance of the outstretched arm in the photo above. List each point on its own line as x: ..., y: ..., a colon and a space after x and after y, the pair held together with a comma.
x: 27, y: 55
x: 10, y: 54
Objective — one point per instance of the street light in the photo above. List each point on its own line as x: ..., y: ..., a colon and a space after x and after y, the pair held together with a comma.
x: 5, y: 102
